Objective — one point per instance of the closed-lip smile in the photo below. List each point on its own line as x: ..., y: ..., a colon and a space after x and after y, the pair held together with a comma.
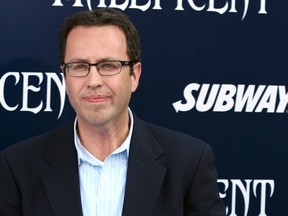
x: 96, y: 98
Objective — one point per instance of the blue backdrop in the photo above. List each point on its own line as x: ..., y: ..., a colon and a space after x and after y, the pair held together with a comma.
x: 215, y: 69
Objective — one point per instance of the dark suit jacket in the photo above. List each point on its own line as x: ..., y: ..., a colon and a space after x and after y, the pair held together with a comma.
x: 169, y: 174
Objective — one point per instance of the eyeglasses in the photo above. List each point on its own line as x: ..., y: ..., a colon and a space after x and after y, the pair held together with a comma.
x: 104, y: 68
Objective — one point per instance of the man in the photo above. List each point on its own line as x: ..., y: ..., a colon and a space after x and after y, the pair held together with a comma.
x: 107, y: 162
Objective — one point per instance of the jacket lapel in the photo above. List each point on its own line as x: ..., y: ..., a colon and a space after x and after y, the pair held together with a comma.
x: 60, y: 177
x: 145, y: 175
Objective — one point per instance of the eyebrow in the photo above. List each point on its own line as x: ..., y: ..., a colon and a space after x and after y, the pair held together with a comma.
x: 99, y: 60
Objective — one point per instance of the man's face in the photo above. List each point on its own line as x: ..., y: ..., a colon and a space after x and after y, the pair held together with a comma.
x: 100, y: 100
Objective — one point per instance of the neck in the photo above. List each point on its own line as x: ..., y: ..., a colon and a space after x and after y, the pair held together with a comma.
x: 103, y: 140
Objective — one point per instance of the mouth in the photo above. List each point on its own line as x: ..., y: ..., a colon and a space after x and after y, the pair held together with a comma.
x: 96, y: 98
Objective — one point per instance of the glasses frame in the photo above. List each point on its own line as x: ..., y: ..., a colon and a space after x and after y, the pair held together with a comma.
x: 65, y: 67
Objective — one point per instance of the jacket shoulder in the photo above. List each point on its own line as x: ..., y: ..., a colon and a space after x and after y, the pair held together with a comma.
x: 176, y: 146
x: 40, y: 143
x: 169, y: 136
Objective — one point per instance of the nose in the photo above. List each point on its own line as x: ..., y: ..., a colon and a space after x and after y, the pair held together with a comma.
x: 94, y: 79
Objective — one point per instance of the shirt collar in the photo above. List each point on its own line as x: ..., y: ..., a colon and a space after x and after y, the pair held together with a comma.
x: 84, y: 155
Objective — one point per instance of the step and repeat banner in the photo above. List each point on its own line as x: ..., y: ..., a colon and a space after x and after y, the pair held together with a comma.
x: 215, y: 69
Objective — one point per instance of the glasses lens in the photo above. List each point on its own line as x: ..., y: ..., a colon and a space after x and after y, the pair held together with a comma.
x: 109, y: 67
x: 78, y: 69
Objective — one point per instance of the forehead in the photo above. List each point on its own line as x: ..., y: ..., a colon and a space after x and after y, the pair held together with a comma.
x: 85, y: 41
x: 96, y: 33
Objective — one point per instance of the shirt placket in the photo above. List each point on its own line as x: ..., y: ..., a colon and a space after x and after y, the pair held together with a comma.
x: 103, y: 196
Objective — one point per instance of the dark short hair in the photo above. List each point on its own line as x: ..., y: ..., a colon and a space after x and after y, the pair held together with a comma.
x: 102, y: 17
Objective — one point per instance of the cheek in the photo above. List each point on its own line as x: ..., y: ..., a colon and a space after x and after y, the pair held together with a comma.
x: 71, y: 87
x: 122, y: 85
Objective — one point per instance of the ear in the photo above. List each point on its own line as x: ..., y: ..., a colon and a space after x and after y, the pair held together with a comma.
x: 65, y: 77
x: 135, y: 77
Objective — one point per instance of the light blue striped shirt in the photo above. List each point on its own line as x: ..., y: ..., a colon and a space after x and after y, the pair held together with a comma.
x: 102, y: 184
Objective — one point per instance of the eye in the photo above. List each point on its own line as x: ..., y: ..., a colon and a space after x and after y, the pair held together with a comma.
x: 79, y: 66
x: 108, y: 66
